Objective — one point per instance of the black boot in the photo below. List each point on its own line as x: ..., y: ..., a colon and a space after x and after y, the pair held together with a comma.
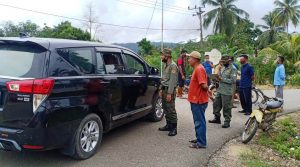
x: 173, y: 131
x: 217, y: 120
x: 167, y: 127
x: 226, y: 125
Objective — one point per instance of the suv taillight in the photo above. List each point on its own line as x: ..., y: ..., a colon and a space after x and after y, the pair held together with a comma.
x: 35, y: 86
x: 40, y: 88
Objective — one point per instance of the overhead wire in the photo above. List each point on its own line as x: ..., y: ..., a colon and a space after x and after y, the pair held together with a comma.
x: 171, y: 5
x: 151, y: 18
x: 165, y: 6
x: 95, y: 22
x: 166, y: 10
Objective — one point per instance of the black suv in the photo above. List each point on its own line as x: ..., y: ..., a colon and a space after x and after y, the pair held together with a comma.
x: 64, y: 94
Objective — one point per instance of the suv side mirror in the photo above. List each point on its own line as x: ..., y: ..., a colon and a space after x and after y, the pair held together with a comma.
x: 154, y: 71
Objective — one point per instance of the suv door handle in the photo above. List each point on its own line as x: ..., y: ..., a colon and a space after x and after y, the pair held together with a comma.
x: 136, y: 81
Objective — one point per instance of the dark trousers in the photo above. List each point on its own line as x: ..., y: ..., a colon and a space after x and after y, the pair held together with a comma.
x: 223, y: 102
x: 169, y: 107
x: 208, y: 81
x: 198, y: 111
x: 246, y: 99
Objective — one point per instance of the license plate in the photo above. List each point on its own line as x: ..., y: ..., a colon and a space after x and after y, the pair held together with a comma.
x: 1, y: 146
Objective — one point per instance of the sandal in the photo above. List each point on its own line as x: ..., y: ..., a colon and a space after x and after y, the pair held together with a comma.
x: 196, y: 146
x: 193, y: 141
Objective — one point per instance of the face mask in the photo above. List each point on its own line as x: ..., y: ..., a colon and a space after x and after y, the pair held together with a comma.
x: 165, y: 60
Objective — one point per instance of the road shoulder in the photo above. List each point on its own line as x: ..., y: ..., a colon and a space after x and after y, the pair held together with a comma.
x: 280, y: 147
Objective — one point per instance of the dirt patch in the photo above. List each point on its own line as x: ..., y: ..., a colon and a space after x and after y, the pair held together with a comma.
x: 229, y: 155
x: 236, y: 154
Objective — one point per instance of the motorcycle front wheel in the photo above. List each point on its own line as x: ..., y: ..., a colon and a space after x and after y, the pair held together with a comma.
x: 254, y: 96
x: 250, y: 130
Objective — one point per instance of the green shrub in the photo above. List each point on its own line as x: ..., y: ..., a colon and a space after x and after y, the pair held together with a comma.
x: 294, y: 79
x: 283, y: 139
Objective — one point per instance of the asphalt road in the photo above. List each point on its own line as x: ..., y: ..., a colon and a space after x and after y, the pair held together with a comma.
x: 140, y: 144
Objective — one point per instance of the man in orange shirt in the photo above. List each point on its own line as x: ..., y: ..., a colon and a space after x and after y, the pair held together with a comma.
x: 198, y: 97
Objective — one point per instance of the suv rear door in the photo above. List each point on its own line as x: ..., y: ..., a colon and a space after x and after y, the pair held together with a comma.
x: 18, y: 61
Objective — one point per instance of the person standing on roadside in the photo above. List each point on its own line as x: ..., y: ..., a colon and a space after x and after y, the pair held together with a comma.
x: 198, y: 97
x: 181, y: 74
x: 218, y: 67
x: 279, y: 77
x: 234, y: 85
x: 168, y: 91
x: 208, y: 65
x: 247, y: 77
x: 223, y: 99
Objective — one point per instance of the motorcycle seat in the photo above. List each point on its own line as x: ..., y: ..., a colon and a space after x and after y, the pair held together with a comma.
x: 274, y: 103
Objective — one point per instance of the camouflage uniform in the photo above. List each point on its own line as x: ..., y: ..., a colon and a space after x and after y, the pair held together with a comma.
x: 168, y: 86
x: 223, y: 97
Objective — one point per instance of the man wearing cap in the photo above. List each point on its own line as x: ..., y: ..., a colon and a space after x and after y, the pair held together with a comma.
x: 247, y: 76
x: 181, y: 75
x: 223, y: 99
x: 168, y: 91
x: 198, y: 97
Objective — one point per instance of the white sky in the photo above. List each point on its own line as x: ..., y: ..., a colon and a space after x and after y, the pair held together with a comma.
x: 117, y: 12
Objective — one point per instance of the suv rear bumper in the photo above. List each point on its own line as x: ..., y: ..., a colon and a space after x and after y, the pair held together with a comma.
x: 17, y: 139
x: 9, y: 145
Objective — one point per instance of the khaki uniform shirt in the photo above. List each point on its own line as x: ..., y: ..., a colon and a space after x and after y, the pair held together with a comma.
x: 228, y: 75
x: 170, y: 76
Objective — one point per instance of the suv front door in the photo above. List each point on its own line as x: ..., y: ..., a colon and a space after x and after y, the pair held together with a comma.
x: 140, y: 95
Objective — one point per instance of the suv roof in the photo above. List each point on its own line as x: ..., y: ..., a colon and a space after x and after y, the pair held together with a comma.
x: 53, y: 43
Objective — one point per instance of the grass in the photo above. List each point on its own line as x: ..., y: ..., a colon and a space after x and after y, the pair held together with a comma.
x: 251, y: 159
x: 284, y: 139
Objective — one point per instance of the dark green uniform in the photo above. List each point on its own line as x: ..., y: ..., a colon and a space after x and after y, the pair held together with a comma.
x: 223, y: 97
x: 168, y: 86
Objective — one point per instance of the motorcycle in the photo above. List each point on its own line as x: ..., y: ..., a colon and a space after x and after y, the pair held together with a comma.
x: 263, y: 117
x: 215, y: 84
x: 213, y: 88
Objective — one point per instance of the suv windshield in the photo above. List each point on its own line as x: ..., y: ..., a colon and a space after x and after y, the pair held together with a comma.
x: 21, y: 60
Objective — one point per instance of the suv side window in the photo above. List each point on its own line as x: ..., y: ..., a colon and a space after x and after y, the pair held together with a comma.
x: 100, y: 64
x: 113, y: 62
x: 79, y: 58
x: 134, y: 66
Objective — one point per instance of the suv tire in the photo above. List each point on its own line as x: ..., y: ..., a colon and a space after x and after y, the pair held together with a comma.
x: 157, y: 113
x: 88, y: 137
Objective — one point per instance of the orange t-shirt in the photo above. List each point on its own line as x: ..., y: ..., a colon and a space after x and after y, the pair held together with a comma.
x: 196, y: 94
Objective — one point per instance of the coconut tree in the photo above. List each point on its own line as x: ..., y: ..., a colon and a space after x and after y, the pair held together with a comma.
x: 289, y: 46
x: 271, y: 28
x: 287, y: 10
x: 224, y: 15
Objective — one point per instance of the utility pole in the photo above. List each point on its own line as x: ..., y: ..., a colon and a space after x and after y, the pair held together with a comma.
x: 199, y: 14
x: 162, y: 33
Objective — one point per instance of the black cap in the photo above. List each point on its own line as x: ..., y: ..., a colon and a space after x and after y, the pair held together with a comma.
x: 244, y: 55
x: 225, y: 57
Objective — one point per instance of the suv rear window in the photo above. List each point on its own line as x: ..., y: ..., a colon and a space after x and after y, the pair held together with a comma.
x: 79, y: 58
x: 17, y: 60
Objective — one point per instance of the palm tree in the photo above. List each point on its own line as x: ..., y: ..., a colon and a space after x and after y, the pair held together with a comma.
x: 289, y: 46
x: 272, y: 29
x: 225, y: 15
x: 287, y: 10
